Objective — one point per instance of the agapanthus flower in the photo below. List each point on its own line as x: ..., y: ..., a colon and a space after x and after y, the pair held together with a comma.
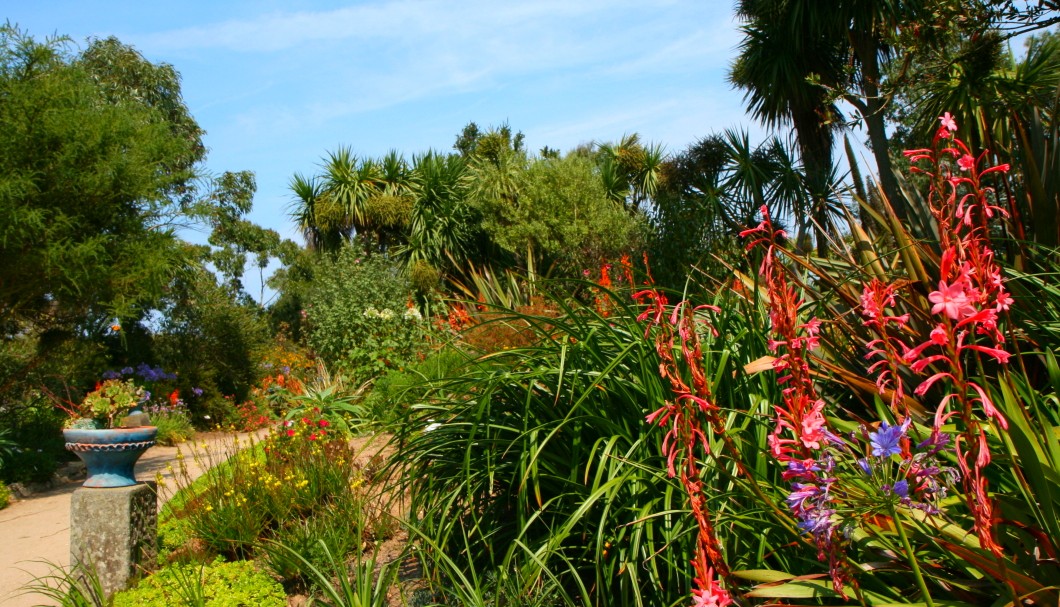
x: 887, y: 440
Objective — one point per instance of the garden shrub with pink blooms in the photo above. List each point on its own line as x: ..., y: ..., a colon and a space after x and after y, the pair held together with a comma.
x: 913, y: 449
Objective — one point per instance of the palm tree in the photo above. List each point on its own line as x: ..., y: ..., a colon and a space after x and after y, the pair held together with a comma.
x: 443, y: 230
x: 309, y: 197
x: 630, y: 170
x: 787, y: 67
x: 353, y: 196
x: 871, y: 26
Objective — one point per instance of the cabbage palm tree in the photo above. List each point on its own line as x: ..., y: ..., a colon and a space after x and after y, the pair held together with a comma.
x: 353, y: 196
x: 630, y: 170
x: 787, y: 67
x: 443, y: 230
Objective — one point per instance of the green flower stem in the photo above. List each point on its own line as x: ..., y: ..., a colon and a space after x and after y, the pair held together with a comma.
x: 912, y: 559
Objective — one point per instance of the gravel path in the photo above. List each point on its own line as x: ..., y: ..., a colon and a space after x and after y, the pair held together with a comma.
x: 35, y: 531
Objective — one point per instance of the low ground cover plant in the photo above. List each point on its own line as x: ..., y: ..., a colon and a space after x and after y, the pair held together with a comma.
x: 214, y: 584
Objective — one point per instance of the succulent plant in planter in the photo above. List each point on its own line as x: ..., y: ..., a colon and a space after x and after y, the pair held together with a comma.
x: 107, y: 405
x: 103, y: 434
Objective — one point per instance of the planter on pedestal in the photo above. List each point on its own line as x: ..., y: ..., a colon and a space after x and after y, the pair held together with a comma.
x: 110, y: 454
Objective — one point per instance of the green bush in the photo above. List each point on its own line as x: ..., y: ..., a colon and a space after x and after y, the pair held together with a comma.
x: 218, y: 584
x: 173, y: 427
x: 36, y: 431
x: 534, y: 466
x: 304, y: 540
x: 31, y: 466
x: 395, y: 391
x: 212, y: 342
x: 301, y: 471
x: 5, y: 495
x: 358, y: 316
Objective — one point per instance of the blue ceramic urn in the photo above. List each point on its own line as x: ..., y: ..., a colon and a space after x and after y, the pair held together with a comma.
x: 110, y: 454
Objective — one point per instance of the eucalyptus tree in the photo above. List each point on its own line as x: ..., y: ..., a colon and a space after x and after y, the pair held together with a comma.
x: 98, y: 161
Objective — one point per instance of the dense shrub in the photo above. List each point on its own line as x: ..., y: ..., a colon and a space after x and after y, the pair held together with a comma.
x: 360, y: 317
x: 396, y: 390
x: 213, y: 343
x: 37, y: 433
x: 533, y: 467
x: 301, y: 484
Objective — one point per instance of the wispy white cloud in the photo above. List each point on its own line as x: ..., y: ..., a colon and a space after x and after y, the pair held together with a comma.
x: 371, y: 56
x: 392, y: 20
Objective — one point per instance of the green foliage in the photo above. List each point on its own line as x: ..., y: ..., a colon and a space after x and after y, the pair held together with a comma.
x: 211, y: 342
x: 77, y: 586
x: 5, y: 496
x: 111, y: 401
x: 360, y: 322
x: 301, y: 472
x: 300, y: 545
x: 341, y: 411
x: 331, y: 579
x: 83, y: 209
x: 555, y: 213
x: 395, y: 391
x: 173, y: 427
x: 8, y: 447
x: 217, y: 584
x: 534, y: 466
x: 37, y: 431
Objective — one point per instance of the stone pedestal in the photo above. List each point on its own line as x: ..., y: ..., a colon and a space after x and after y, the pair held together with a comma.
x: 113, y: 531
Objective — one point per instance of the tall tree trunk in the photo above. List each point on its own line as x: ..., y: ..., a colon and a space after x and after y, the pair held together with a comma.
x: 867, y: 47
x: 815, y: 147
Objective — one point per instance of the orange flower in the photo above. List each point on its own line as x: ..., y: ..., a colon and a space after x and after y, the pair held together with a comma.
x: 174, y: 396
x: 115, y: 328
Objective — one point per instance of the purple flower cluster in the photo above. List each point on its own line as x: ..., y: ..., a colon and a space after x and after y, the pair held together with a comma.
x: 887, y: 440
x: 812, y: 499
x: 915, y: 478
x: 166, y: 408
x: 869, y: 471
x: 144, y: 371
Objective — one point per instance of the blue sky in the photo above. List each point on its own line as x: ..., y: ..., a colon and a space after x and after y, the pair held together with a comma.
x: 276, y: 85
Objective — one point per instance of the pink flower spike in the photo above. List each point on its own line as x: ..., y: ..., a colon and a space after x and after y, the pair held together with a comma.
x: 948, y: 122
x: 812, y: 425
x: 951, y: 299
x: 966, y: 162
x: 988, y: 406
x: 922, y: 388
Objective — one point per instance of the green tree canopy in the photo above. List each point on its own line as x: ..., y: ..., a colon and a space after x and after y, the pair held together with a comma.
x: 96, y: 158
x: 560, y: 217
